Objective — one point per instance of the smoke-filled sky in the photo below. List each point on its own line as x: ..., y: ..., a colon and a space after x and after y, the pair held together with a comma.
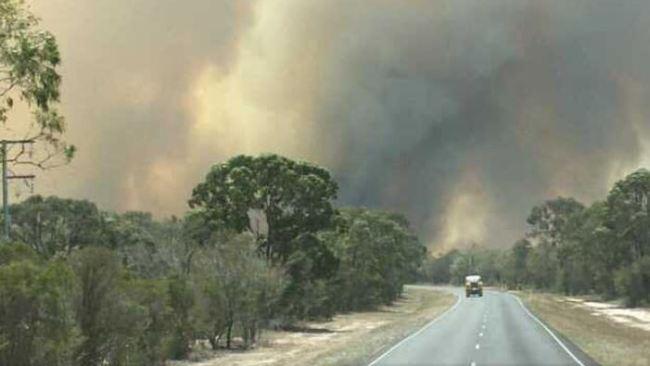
x: 460, y: 113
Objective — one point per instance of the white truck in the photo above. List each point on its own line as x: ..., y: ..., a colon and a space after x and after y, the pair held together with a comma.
x: 473, y: 285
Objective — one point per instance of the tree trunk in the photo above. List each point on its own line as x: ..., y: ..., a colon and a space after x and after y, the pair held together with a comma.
x: 188, y: 262
x: 215, y: 338
x: 229, y: 334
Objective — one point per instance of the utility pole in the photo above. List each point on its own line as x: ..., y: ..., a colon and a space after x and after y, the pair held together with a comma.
x: 5, y: 182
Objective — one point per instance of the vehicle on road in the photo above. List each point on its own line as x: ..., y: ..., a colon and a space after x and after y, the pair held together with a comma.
x: 473, y: 285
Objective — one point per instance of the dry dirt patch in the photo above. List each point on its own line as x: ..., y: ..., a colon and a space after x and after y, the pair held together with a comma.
x: 348, y: 339
x: 602, y: 335
x: 633, y: 317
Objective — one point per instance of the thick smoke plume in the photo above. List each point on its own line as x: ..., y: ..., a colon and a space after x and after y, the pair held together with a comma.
x: 462, y: 114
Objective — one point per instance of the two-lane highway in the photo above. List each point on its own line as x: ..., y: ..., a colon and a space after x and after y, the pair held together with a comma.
x: 492, y: 330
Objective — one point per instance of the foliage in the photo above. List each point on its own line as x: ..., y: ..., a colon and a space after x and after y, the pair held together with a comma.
x: 293, y: 197
x: 96, y: 303
x: 121, y: 318
x: 437, y: 269
x: 602, y: 249
x: 239, y: 290
x: 378, y: 254
x: 29, y: 57
x: 475, y: 259
x: 52, y: 225
x: 518, y: 260
x: 181, y: 301
x: 628, y: 206
x: 36, y: 320
x: 309, y: 268
x: 547, y: 221
x: 633, y: 282
x: 93, y: 288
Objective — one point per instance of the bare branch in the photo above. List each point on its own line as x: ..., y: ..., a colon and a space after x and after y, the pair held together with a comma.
x: 17, y: 156
x: 43, y: 162
x: 9, y: 88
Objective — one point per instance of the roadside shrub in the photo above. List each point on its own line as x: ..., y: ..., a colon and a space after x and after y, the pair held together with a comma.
x: 96, y: 303
x: 633, y: 282
x: 181, y: 301
x: 122, y: 319
x: 309, y: 268
x: 238, y: 291
x: 376, y: 253
x: 36, y: 320
x: 145, y: 323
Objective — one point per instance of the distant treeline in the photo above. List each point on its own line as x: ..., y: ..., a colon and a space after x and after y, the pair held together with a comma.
x: 601, y: 249
x: 262, y: 247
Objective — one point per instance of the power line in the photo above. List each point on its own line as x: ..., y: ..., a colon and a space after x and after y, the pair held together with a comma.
x: 5, y: 182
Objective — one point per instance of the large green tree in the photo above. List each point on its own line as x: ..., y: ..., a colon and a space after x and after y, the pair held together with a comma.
x: 289, y: 197
x: 629, y: 213
x: 547, y: 221
x: 378, y: 254
x: 54, y: 225
x: 628, y: 218
x: 29, y: 58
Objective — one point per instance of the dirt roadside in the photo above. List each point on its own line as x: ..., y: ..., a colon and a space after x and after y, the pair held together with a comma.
x: 348, y: 339
x: 601, y: 334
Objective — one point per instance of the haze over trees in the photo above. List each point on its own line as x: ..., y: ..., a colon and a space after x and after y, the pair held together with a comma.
x: 90, y: 287
x: 262, y: 246
x: 570, y: 248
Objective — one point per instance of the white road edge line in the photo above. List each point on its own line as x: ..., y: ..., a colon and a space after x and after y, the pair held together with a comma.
x: 549, y: 331
x: 458, y: 301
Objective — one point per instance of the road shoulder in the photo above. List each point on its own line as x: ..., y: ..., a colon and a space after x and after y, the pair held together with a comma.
x: 594, y: 339
x: 348, y: 339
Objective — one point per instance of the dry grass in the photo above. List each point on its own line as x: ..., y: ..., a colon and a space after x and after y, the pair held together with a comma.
x: 349, y: 339
x: 606, y: 341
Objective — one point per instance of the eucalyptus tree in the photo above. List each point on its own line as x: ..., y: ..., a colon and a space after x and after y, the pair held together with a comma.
x: 53, y: 225
x: 288, y: 198
x: 548, y: 220
x: 29, y: 58
x: 628, y: 205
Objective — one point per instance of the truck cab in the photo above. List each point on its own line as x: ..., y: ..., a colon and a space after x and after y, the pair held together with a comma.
x: 473, y: 285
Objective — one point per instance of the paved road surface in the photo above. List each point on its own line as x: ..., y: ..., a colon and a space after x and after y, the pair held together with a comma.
x: 493, y: 330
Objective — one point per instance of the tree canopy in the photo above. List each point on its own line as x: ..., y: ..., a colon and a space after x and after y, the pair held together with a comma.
x: 29, y: 57
x: 293, y: 197
x: 600, y: 249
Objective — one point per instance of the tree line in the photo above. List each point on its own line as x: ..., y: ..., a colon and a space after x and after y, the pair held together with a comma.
x: 263, y: 246
x: 569, y: 247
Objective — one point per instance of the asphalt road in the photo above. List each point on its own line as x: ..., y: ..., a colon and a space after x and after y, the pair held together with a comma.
x: 495, y: 330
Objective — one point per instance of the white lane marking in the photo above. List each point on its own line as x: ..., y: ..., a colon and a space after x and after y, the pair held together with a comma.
x: 478, y: 346
x: 480, y: 334
x: 549, y: 331
x: 472, y: 364
x: 458, y: 301
x: 483, y: 326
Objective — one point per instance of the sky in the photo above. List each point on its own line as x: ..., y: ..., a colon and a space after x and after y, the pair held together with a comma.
x: 462, y: 114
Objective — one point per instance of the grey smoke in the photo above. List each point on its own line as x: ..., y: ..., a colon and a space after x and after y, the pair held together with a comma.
x: 407, y: 103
